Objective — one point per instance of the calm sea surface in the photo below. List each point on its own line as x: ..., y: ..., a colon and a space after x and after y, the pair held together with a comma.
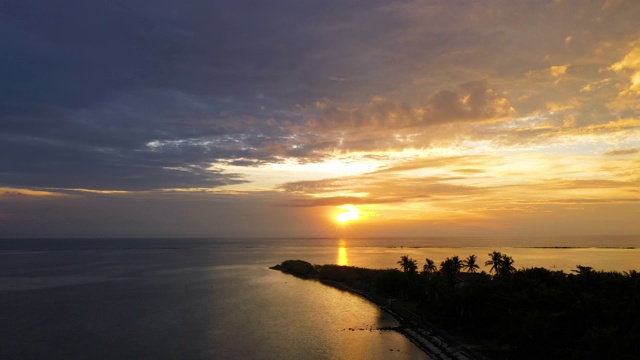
x: 217, y: 299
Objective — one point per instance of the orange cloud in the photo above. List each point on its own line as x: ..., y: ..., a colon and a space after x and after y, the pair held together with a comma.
x: 472, y: 101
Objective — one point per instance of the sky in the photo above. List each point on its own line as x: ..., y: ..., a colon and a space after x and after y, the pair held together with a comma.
x: 309, y: 118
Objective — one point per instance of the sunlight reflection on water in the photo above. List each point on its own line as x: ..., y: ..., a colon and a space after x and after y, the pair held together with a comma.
x: 343, y: 258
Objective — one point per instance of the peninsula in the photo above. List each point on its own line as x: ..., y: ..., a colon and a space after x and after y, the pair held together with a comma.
x: 456, y: 312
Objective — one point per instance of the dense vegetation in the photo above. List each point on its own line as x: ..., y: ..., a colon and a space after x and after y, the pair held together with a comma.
x: 296, y: 267
x: 513, y: 314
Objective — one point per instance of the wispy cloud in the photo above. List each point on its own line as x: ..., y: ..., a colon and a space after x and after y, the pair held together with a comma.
x: 622, y: 152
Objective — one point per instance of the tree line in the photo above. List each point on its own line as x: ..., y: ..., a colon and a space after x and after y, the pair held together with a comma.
x: 533, y: 313
x: 501, y: 264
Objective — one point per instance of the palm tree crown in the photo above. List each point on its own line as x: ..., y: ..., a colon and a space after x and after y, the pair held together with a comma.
x: 407, y: 264
x: 451, y: 265
x: 430, y: 266
x: 500, y: 263
x: 470, y: 264
x: 494, y: 262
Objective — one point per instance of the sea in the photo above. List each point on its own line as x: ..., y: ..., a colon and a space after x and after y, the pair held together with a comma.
x: 218, y: 299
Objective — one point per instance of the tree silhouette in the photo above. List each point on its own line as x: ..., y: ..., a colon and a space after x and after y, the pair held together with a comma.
x: 470, y: 264
x: 500, y: 263
x: 451, y: 265
x: 413, y: 266
x: 506, y: 265
x: 407, y: 264
x: 494, y: 262
x: 631, y: 273
x: 583, y: 270
x: 430, y: 266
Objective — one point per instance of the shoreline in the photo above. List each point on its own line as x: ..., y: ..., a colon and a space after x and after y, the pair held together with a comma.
x: 431, y: 340
x: 427, y: 337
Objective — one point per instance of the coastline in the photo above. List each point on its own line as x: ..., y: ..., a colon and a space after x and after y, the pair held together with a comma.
x: 527, y: 313
x: 427, y: 337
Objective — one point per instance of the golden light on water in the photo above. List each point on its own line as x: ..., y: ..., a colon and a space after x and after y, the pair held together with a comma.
x: 343, y: 259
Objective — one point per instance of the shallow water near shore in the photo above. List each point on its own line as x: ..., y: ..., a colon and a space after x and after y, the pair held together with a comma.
x: 217, y: 299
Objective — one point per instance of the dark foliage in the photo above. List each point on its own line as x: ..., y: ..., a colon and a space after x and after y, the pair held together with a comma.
x: 296, y: 267
x: 537, y: 313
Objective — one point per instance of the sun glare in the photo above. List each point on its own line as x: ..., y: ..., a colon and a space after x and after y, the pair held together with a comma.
x: 347, y: 213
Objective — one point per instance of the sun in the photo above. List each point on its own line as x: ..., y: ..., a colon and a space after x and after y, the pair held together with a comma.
x: 347, y: 213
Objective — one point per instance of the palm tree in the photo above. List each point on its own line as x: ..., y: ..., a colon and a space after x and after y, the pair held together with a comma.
x: 413, y: 266
x: 470, y: 264
x: 583, y: 270
x: 430, y: 266
x: 494, y: 262
x: 506, y: 265
x: 407, y: 264
x: 457, y: 263
x: 404, y: 262
x: 451, y: 265
x: 500, y: 263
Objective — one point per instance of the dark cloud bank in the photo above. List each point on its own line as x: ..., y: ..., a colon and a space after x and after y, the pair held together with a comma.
x: 89, y: 87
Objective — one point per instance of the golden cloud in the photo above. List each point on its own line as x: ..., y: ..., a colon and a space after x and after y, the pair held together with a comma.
x: 469, y: 102
x: 629, y: 68
x: 558, y: 70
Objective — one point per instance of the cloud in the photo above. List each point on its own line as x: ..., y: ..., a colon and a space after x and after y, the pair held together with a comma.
x: 393, y: 188
x: 469, y: 111
x: 629, y: 69
x: 12, y: 194
x: 558, y: 70
x: 550, y: 130
x: 622, y: 152
x: 73, y: 166
x: 475, y: 187
x: 337, y: 201
x: 473, y: 101
x: 442, y: 162
x: 155, y: 214
x: 596, y: 201
x: 144, y: 96
x: 589, y: 184
x: 83, y: 97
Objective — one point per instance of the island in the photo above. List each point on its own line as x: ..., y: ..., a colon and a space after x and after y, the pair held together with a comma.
x: 455, y: 312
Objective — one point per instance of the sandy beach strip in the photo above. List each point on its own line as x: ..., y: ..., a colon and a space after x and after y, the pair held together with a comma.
x: 431, y: 340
